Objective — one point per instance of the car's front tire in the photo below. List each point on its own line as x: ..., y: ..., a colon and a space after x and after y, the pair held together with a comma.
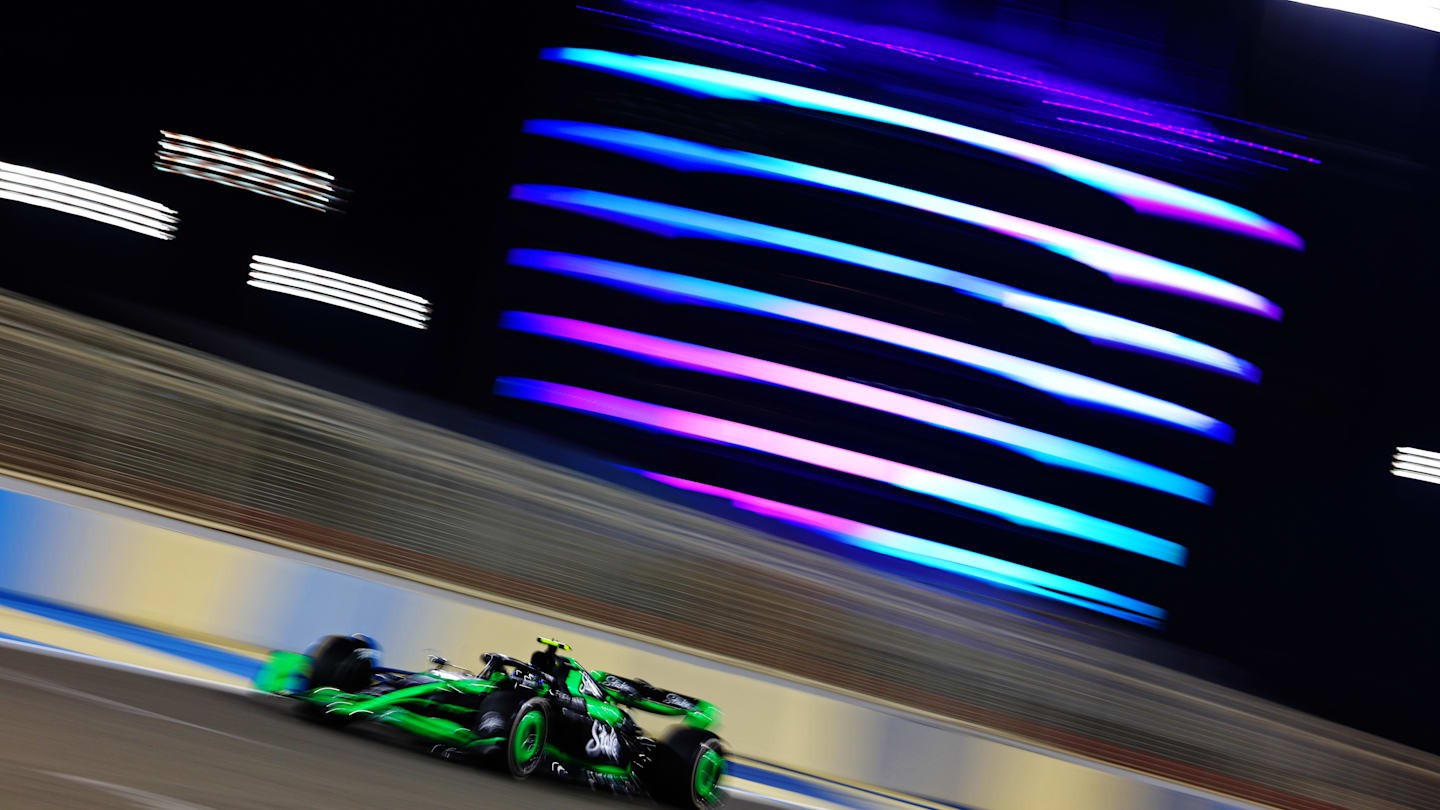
x: 687, y: 770
x: 529, y: 730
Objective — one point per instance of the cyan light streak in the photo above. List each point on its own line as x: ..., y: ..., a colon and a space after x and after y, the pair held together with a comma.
x: 1145, y: 194
x: 1066, y: 385
x: 1099, y: 327
x: 1009, y: 506
x: 1120, y: 264
x: 932, y: 554
x: 1034, y: 444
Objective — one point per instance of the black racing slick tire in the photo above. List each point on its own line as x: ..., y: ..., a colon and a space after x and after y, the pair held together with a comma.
x: 523, y: 723
x: 525, y: 744
x: 344, y: 662
x: 687, y: 770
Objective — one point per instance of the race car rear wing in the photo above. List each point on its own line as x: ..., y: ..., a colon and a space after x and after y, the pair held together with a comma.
x: 641, y: 695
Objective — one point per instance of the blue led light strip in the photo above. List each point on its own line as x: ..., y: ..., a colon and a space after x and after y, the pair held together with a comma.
x: 1120, y: 264
x: 932, y: 554
x: 1100, y: 328
x: 1145, y: 194
x: 1065, y: 385
x: 1018, y: 509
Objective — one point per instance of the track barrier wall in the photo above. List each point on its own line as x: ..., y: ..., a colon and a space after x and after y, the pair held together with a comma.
x: 66, y: 549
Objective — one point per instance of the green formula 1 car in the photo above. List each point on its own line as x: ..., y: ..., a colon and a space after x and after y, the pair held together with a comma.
x: 546, y: 715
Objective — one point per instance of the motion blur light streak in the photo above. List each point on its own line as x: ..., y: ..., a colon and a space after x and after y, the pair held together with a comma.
x: 251, y: 171
x: 1418, y: 476
x: 1099, y: 327
x: 1419, y: 13
x: 746, y: 20
x: 669, y: 30
x: 1120, y: 264
x: 215, y: 177
x: 1066, y: 385
x: 382, y: 291
x: 216, y: 146
x: 295, y: 179
x: 248, y: 174
x: 1155, y: 138
x: 264, y: 284
x: 1421, y: 465
x: 342, y: 291
x: 1193, y: 133
x: 1034, y: 444
x: 79, y: 188
x: 1428, y: 455
x: 932, y: 554
x: 1036, y: 83
x: 1144, y: 193
x: 1168, y: 141
x: 1009, y: 506
x: 67, y: 195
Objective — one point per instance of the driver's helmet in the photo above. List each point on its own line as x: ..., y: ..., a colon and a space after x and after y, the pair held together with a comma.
x: 546, y: 661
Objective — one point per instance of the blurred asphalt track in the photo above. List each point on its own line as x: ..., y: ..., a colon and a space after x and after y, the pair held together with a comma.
x: 77, y: 735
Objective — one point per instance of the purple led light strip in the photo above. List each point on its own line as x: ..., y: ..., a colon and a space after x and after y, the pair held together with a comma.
x: 1067, y: 386
x: 1146, y: 194
x: 1143, y: 136
x: 1209, y: 137
x: 1000, y: 74
x: 705, y: 37
x: 1053, y: 89
x: 745, y: 20
x: 1034, y: 444
x: 1010, y: 506
x: 1102, y: 139
x: 992, y: 73
x: 1232, y: 118
x: 930, y: 553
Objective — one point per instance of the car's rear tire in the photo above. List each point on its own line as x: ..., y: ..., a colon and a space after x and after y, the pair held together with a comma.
x: 687, y: 770
x: 344, y: 662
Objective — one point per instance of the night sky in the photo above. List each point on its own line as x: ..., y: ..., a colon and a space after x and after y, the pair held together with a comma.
x: 1309, y: 579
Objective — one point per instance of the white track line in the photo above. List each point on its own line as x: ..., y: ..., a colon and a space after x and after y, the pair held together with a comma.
x: 29, y: 681
x: 143, y: 798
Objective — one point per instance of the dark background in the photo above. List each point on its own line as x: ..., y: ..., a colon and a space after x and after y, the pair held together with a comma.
x: 1311, y: 577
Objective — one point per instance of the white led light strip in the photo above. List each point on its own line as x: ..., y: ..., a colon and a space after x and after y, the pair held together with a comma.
x: 342, y: 291
x: 1420, y: 465
x: 241, y: 168
x: 70, y: 196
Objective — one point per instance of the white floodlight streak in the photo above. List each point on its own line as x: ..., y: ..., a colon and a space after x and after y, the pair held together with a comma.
x: 315, y: 271
x: 70, y: 196
x: 241, y: 168
x: 332, y: 288
x: 238, y: 151
x: 240, y: 184
x: 211, y: 165
x: 70, y: 181
x: 1420, y: 465
x: 181, y: 149
x: 1412, y: 451
x: 81, y: 212
x: 87, y: 203
x: 1419, y: 13
x: 1429, y: 479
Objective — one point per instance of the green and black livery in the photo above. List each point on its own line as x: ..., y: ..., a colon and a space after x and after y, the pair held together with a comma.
x: 548, y: 715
